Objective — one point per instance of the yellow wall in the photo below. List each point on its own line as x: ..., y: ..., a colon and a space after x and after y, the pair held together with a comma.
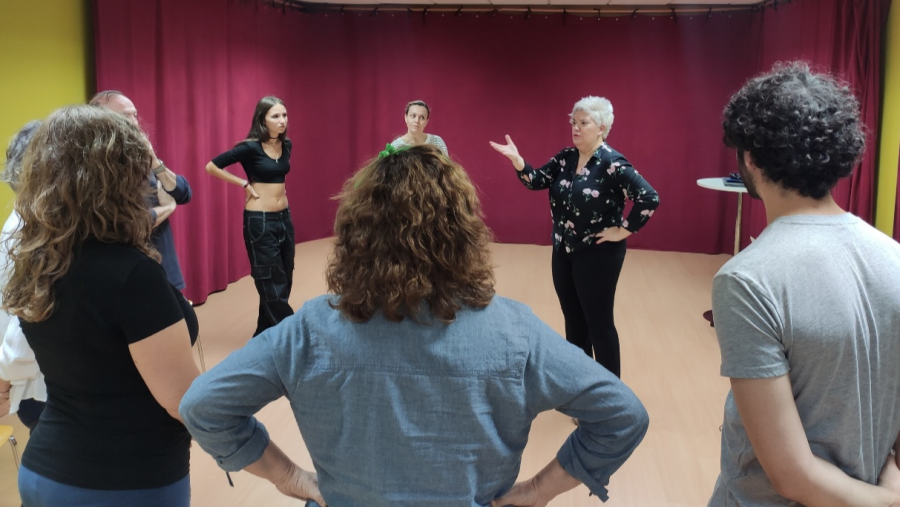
x: 45, y: 63
x: 890, y: 127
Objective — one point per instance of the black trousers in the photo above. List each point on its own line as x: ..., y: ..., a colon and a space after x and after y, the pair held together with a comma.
x: 269, y: 238
x: 585, y: 283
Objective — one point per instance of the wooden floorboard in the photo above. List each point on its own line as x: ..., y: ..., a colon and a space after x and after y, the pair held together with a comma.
x: 670, y: 358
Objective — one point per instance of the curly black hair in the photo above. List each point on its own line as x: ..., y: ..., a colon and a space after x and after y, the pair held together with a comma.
x: 801, y: 128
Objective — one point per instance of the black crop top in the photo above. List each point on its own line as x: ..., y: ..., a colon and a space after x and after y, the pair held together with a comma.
x: 257, y: 164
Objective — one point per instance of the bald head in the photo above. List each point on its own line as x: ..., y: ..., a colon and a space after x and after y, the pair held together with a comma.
x: 114, y: 100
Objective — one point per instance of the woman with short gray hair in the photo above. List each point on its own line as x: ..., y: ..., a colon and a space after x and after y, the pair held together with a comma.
x: 588, y: 186
x: 15, y: 153
x: 599, y: 109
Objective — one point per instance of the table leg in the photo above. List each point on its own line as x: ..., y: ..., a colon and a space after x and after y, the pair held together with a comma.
x: 737, y: 225
x: 737, y: 247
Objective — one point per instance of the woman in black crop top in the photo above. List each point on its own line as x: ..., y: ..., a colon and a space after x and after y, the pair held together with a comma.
x: 268, y: 231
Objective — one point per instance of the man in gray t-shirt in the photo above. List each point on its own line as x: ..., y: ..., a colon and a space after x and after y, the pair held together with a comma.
x: 808, y: 316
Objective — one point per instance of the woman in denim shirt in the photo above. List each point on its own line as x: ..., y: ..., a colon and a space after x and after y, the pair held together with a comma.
x: 413, y: 383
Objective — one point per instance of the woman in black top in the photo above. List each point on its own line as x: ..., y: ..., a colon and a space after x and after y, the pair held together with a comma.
x: 268, y: 231
x: 588, y: 187
x: 111, y: 334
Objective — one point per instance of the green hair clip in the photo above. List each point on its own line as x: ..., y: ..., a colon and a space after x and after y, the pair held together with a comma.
x: 390, y: 149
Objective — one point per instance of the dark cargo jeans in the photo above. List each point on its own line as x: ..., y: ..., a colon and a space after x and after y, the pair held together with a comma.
x: 269, y: 238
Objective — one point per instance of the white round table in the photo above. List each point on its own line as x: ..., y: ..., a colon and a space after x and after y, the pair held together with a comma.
x: 719, y: 184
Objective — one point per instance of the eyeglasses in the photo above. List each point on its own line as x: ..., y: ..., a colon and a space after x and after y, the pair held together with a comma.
x: 581, y: 124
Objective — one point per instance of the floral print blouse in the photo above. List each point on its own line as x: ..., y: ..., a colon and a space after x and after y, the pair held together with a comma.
x: 585, y: 204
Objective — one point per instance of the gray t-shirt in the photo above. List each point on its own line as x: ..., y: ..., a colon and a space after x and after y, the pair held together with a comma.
x: 429, y: 139
x: 816, y: 298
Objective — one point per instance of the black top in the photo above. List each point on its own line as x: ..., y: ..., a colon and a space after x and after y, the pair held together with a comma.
x: 586, y: 204
x: 102, y: 429
x: 259, y: 167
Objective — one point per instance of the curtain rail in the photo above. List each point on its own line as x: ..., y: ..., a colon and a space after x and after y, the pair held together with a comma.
x: 526, y: 10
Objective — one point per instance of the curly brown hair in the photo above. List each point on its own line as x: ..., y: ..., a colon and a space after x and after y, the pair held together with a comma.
x: 85, y: 175
x: 410, y: 233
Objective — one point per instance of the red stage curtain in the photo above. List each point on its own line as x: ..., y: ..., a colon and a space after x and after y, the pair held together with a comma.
x: 842, y: 37
x: 196, y: 69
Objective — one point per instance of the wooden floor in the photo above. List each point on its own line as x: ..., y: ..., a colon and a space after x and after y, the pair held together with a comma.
x: 670, y: 358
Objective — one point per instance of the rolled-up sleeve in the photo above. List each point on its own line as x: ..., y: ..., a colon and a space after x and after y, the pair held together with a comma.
x: 219, y: 407
x: 182, y: 191
x: 612, y: 421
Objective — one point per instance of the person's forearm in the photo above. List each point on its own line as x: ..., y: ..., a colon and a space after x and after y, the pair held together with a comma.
x: 224, y: 175
x: 273, y: 465
x: 519, y: 163
x: 553, y: 480
x: 163, y: 213
x: 825, y: 485
x: 168, y: 179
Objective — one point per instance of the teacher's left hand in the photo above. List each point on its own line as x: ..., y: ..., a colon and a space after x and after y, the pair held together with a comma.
x: 612, y: 234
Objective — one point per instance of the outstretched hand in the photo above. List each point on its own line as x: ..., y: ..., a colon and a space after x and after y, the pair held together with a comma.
x: 510, y: 151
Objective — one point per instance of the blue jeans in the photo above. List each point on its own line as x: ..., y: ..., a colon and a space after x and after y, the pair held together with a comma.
x: 39, y: 491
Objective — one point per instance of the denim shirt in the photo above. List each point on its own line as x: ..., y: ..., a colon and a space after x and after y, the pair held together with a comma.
x: 409, y: 414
